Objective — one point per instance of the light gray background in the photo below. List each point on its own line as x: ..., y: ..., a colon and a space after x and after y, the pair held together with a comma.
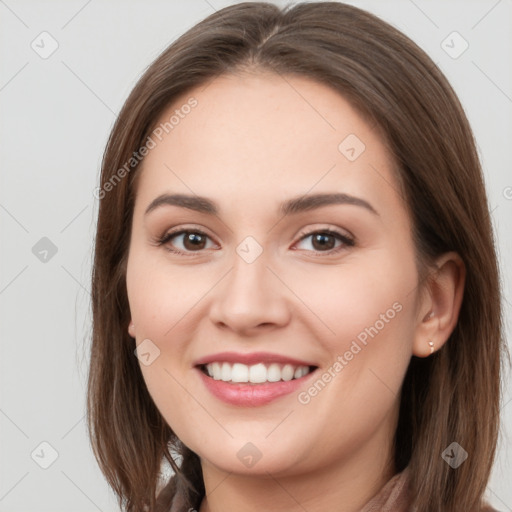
x: 56, y: 114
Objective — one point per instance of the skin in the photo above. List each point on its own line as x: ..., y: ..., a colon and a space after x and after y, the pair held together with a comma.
x: 254, y: 140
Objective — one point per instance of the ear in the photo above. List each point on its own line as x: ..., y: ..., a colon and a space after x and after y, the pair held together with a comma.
x: 131, y: 329
x: 440, y: 306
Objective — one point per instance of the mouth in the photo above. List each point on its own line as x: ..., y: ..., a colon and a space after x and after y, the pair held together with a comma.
x: 253, y: 385
x: 260, y: 373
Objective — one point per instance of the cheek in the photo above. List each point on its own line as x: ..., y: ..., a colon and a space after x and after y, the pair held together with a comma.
x: 363, y: 299
x: 161, y: 304
x: 162, y: 296
x: 366, y: 332
x: 165, y: 301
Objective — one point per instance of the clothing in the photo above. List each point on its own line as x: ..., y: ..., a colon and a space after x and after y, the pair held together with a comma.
x: 394, y: 496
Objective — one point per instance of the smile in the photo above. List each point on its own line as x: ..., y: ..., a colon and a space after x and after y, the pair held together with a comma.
x: 252, y: 380
x: 256, y: 373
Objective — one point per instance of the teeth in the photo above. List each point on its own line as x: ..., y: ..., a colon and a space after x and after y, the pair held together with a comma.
x: 216, y: 371
x: 274, y: 373
x: 225, y: 373
x: 239, y: 373
x: 287, y: 372
x: 256, y: 374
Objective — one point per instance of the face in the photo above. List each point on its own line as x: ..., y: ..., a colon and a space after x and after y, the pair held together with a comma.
x: 265, y: 283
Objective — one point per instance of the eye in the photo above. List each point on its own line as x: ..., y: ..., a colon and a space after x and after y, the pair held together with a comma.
x: 194, y: 240
x: 325, y: 241
x: 191, y: 241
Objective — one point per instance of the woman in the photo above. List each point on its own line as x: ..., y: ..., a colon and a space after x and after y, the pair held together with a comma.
x: 295, y: 289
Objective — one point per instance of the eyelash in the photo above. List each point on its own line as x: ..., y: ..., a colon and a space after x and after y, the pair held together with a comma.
x: 346, y: 240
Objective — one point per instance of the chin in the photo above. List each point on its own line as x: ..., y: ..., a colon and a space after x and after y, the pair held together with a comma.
x: 253, y: 457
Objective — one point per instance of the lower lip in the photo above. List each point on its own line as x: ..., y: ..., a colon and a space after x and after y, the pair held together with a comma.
x: 250, y: 395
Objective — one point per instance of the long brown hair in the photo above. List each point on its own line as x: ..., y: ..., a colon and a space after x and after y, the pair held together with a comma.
x: 451, y: 396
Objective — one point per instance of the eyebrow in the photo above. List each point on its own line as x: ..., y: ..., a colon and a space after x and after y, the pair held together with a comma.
x: 291, y: 206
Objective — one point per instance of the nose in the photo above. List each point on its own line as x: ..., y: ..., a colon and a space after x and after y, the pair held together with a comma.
x: 251, y: 297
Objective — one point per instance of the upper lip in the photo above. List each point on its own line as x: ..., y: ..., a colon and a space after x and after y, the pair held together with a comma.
x: 251, y: 358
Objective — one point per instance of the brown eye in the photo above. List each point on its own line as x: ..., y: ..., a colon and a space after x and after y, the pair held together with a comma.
x: 187, y: 241
x: 193, y: 241
x: 325, y: 241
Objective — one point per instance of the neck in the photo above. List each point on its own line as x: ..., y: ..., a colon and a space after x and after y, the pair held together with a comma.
x: 345, y: 486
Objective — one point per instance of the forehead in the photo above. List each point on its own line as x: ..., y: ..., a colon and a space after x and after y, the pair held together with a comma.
x: 252, y: 136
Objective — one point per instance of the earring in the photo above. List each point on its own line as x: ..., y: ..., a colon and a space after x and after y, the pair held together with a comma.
x: 431, y: 345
